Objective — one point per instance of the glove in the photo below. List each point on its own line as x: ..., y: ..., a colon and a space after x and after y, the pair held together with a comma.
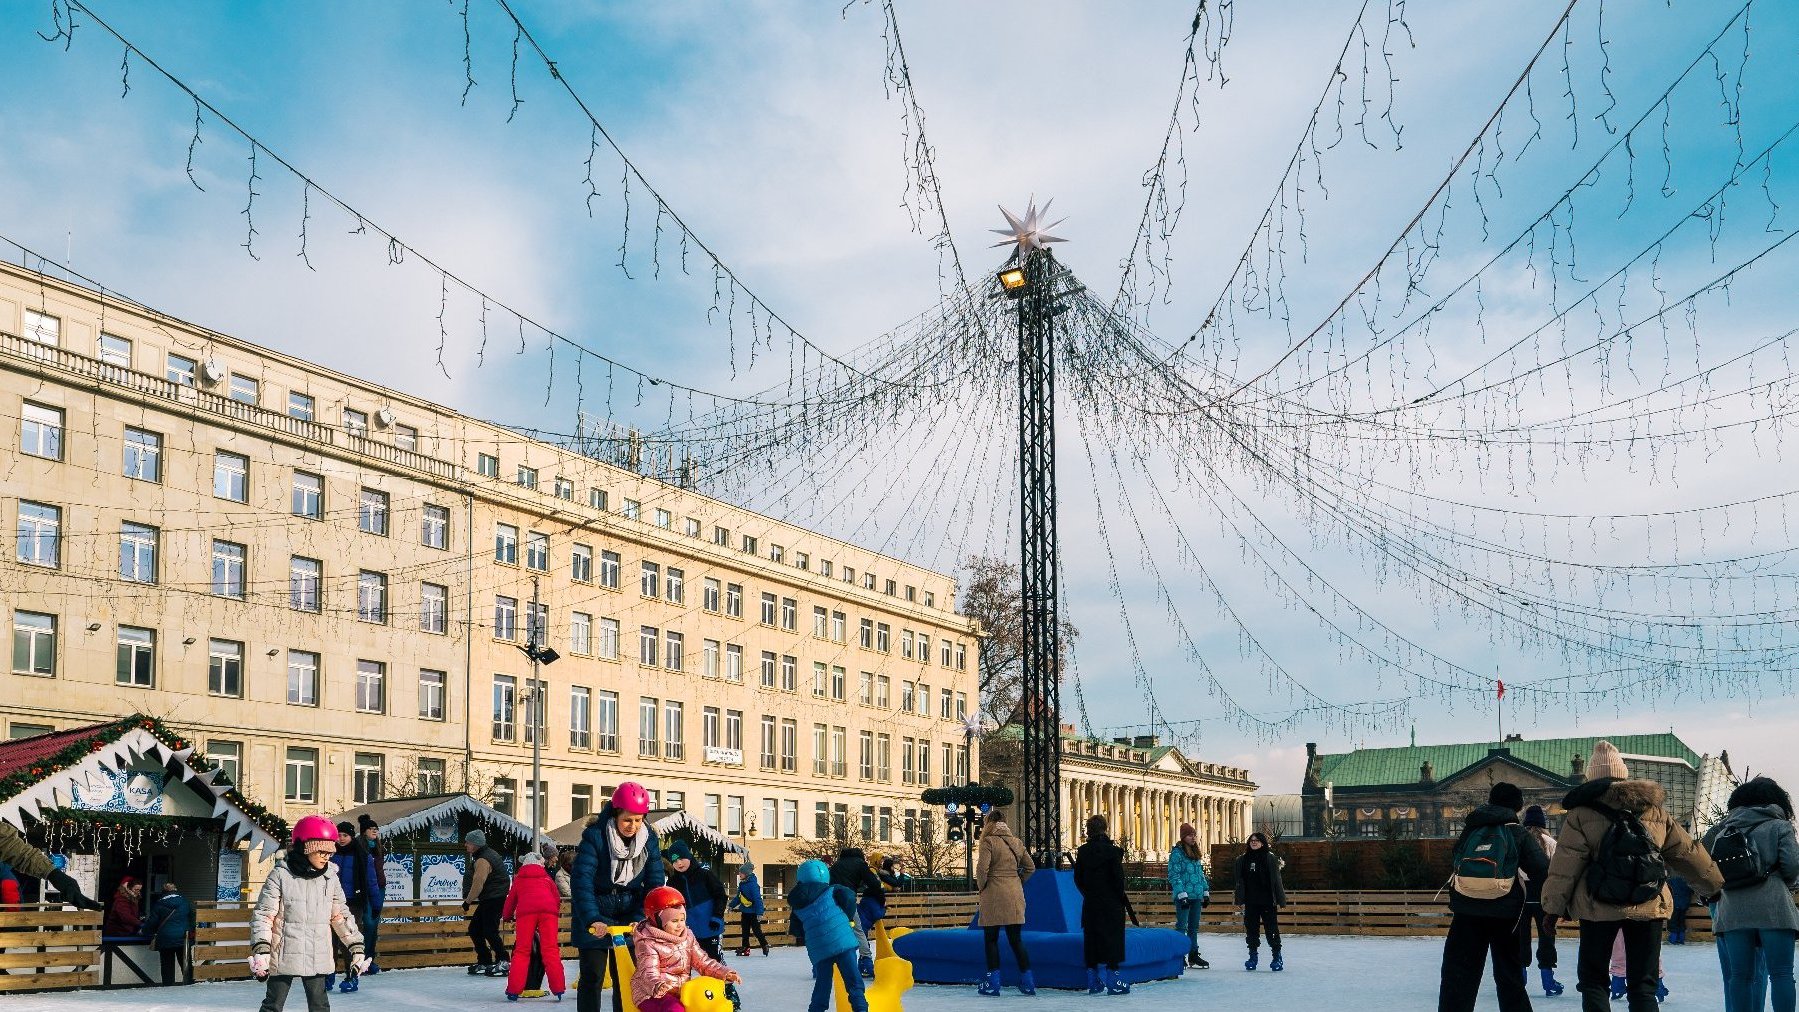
x: 715, y: 927
x: 359, y: 965
x: 1180, y: 897
x: 465, y: 907
x: 71, y: 892
x: 259, y: 965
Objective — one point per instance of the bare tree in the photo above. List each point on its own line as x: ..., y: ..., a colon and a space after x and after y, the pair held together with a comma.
x: 930, y: 855
x: 992, y: 597
x: 844, y: 833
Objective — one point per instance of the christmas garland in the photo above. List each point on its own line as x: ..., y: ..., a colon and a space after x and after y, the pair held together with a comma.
x: 969, y: 795
x: 62, y: 829
x: 107, y: 734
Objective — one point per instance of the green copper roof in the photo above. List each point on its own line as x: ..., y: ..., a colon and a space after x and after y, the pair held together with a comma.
x: 1372, y: 767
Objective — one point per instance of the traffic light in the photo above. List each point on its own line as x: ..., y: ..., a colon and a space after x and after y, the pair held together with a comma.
x: 955, y: 827
x: 976, y: 819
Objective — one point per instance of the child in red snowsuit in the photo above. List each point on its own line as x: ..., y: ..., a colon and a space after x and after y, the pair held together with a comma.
x: 535, y: 902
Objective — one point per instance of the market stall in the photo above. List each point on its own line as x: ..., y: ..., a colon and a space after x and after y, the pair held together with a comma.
x: 421, y: 842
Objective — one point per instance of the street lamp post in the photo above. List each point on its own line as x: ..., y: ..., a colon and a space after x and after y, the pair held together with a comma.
x: 540, y: 654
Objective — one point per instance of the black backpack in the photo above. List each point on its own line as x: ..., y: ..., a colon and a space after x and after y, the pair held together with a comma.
x: 1626, y: 869
x: 1737, y: 860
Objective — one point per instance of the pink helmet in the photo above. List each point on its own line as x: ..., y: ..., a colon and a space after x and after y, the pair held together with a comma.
x: 314, y: 827
x: 631, y: 797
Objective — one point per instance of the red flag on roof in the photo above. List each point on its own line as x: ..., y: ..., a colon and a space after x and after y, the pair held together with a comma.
x: 1501, y: 690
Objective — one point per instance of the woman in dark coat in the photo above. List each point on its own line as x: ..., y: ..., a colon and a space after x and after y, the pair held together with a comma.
x: 1099, y: 875
x: 618, y: 862
x: 1260, y: 893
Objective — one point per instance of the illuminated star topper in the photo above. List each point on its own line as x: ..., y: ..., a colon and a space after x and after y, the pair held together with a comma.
x: 1029, y: 232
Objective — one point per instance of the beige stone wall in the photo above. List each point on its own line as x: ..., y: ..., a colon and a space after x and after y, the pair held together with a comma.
x: 90, y: 600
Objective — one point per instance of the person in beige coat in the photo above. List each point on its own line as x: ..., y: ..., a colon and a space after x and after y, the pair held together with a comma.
x: 1567, y: 892
x: 1000, y: 876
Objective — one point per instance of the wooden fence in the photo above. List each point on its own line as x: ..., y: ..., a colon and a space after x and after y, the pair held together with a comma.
x: 44, y: 947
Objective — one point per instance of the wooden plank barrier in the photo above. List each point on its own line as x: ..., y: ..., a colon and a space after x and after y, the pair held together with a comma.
x: 45, y: 947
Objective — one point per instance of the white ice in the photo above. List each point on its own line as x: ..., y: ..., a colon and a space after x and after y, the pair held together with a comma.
x: 1339, y: 974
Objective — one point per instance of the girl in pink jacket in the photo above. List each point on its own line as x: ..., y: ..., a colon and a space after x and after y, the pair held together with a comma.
x: 536, y: 902
x: 667, y: 954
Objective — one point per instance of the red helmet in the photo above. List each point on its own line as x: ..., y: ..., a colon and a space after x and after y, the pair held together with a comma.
x: 631, y: 797
x: 660, y: 899
x: 314, y: 827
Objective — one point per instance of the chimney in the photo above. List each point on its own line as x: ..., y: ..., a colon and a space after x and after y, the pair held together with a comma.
x: 1577, y: 768
x: 1311, y: 778
x: 1427, y: 774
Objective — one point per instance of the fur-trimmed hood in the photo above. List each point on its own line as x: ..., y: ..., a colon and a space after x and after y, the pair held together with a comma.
x: 1633, y: 796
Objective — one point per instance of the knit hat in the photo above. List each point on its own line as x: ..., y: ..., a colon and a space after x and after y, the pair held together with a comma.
x: 476, y: 837
x: 531, y: 858
x: 1535, y: 816
x: 678, y: 851
x: 1188, y: 830
x: 346, y: 829
x: 1506, y: 796
x: 1606, y: 762
x: 549, y: 851
x: 364, y: 823
x: 813, y: 871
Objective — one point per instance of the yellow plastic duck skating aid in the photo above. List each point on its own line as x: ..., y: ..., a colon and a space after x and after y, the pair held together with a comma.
x: 705, y: 994
x: 701, y: 994
x: 893, y: 976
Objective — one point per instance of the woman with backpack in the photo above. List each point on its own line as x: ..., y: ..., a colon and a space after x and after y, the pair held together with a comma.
x: 1757, y: 854
x: 1610, y: 871
x: 1493, y: 859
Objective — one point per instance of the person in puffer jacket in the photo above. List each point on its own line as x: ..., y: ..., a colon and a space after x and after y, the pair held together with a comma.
x: 824, y: 921
x: 1759, y: 918
x: 536, y: 904
x: 618, y: 862
x: 1187, y: 880
x: 300, y: 908
x: 667, y: 954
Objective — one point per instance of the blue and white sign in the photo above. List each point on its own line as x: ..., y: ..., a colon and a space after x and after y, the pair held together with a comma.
x: 398, y: 869
x: 231, y: 877
x: 440, y: 878
x: 134, y: 791
x: 443, y: 831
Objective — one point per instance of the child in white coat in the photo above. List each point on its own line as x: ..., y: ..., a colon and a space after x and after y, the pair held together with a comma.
x: 300, y: 907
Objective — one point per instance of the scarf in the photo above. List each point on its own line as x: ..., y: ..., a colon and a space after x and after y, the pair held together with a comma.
x: 628, y: 858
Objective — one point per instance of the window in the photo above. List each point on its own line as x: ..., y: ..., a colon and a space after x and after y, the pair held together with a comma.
x: 537, y: 552
x: 505, y: 707
x: 580, y: 633
x: 676, y: 586
x: 596, y: 499
x: 734, y: 814
x: 924, y: 649
x: 821, y: 622
x: 865, y: 688
x: 356, y: 423
x: 648, y: 637
x: 947, y: 770
x: 908, y: 692
x: 771, y: 818
x: 734, y: 663
x: 487, y: 465
x: 650, y: 581
x: 865, y: 755
x: 648, y: 712
x: 944, y: 646
x: 434, y: 528
x: 824, y: 568
x: 908, y: 751
x: 770, y: 740
x: 838, y: 621
x: 434, y: 608
x: 304, y: 577
x: 790, y: 673
x: 245, y: 389
x: 924, y: 699
x: 302, y: 678
x: 721, y: 536
x: 300, y: 406
x: 143, y: 455
x: 838, y: 678
x: 906, y: 641
x: 849, y: 574
x: 137, y: 657
x: 565, y: 489
x: 768, y: 669
x: 580, y: 565
x: 883, y: 691
x: 580, y: 716
x: 712, y: 811
x: 40, y: 432
x: 580, y: 800
x: 609, y: 567
x: 884, y: 828
x: 883, y: 637
x: 302, y: 776
x: 673, y: 646
x: 371, y: 513
x: 505, y: 795
x: 43, y: 329
x: 961, y: 764
x: 946, y: 708
x: 802, y: 561
x: 884, y: 757
x: 430, y: 776
x: 231, y: 476
x: 406, y: 438
x: 865, y: 632
x: 309, y: 495
x: 790, y: 745
x: 777, y: 554
x: 821, y: 758
x: 734, y: 600
x: 749, y: 545
x: 790, y: 818
x: 664, y: 519
x: 890, y: 588
x: 868, y: 822
x: 40, y: 534
x: 924, y: 762
x: 371, y: 597
x: 930, y: 599
x: 868, y: 581
x: 533, y: 701
x: 228, y: 757
x: 180, y: 370
x: 225, y: 668
x: 709, y: 651
x: 115, y: 351
x: 961, y: 657
x: 768, y: 609
x: 228, y: 569
x: 790, y: 614
x: 431, y: 694
x: 608, y: 722
x: 371, y: 773
x: 693, y: 528
x: 505, y: 617
x: 674, y: 737
x: 821, y: 679
x: 711, y: 727
x: 505, y: 544
x: 608, y: 645
x: 631, y: 509
x: 839, y: 752
x: 961, y: 706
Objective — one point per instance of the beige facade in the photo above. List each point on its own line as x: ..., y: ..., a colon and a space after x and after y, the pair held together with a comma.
x: 328, y: 584
x: 1146, y: 790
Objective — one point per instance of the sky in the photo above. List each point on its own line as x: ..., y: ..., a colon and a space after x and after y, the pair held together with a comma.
x: 772, y: 130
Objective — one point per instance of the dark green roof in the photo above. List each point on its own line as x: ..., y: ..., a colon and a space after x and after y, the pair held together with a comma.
x: 1374, y: 767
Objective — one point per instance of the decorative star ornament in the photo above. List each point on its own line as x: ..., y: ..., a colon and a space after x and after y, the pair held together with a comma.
x: 1028, y: 232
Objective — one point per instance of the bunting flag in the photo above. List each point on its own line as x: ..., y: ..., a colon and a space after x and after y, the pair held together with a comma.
x: 1501, y: 690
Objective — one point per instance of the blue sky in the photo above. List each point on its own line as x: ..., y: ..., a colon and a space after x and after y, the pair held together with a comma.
x: 767, y: 127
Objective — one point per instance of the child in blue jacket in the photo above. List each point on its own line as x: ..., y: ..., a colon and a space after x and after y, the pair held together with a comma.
x: 750, y: 908
x: 824, y: 921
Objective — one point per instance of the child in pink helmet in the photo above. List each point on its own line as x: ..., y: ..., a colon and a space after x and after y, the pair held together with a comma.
x: 300, y: 907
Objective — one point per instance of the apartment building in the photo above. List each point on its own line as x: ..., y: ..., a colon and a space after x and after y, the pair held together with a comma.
x: 329, y: 585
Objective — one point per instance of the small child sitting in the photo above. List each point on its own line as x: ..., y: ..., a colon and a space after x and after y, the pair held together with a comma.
x: 667, y: 953
x: 824, y: 918
x: 537, y: 905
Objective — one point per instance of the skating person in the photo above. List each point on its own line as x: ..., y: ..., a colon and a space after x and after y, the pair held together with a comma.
x: 1758, y: 855
x: 1099, y: 875
x: 368, y: 917
x: 1599, y: 878
x: 299, y: 911
x: 618, y: 862
x: 356, y: 875
x: 1187, y: 880
x: 25, y: 859
x: 171, y: 930
x: 750, y: 908
x: 824, y: 921
x: 536, y: 905
x: 553, y: 863
x: 1259, y: 894
x: 851, y: 871
x: 1536, y: 823
x: 893, y: 875
x: 1620, y: 983
x: 1000, y: 877
x: 1491, y: 860
x: 484, y: 890
x: 1681, y: 895
x: 702, y: 893
x: 668, y: 954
